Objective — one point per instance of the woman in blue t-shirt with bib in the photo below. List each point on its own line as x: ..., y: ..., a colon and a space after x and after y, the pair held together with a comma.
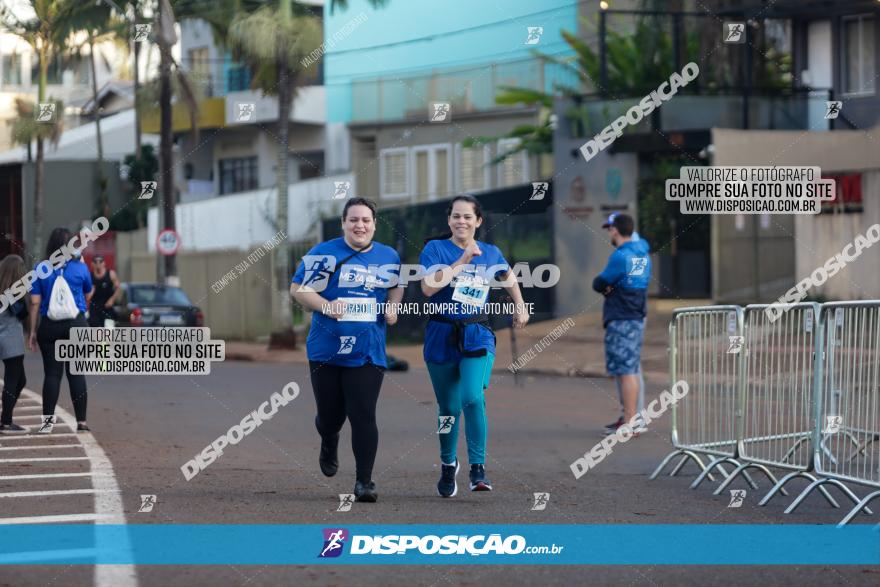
x: 343, y: 281
x: 459, y: 344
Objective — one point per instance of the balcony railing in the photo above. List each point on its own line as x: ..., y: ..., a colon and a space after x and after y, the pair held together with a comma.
x: 780, y: 110
x: 234, y: 77
x: 471, y: 89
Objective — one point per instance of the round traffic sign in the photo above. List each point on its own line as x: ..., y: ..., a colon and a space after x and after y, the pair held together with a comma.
x: 168, y: 242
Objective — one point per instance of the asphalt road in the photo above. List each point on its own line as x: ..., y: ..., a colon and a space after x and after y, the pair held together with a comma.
x: 149, y: 426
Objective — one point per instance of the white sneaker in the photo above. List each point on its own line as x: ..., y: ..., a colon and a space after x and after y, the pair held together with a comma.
x: 46, y: 425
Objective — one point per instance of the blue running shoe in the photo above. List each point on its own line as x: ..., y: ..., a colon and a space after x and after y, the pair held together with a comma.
x: 478, y: 479
x: 447, y: 487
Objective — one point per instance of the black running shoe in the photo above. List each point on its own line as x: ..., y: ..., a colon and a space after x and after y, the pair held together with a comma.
x: 328, y: 458
x: 82, y: 427
x: 478, y: 479
x: 365, y: 492
x: 612, y: 428
x: 12, y: 428
x: 447, y: 487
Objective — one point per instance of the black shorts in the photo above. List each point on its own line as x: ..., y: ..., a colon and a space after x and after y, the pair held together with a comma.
x: 97, y: 315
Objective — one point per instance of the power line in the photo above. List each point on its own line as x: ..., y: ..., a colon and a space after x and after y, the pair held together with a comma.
x: 457, y: 31
x: 426, y: 69
x: 464, y: 66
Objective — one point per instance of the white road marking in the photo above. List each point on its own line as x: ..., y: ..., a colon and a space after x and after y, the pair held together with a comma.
x: 45, y: 476
x: 51, y: 492
x: 39, y: 446
x: 54, y: 519
x: 44, y: 459
x: 5, y: 437
x: 108, y: 506
x: 28, y: 408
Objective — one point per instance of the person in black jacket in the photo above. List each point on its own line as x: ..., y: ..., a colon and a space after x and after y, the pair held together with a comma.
x: 12, y: 269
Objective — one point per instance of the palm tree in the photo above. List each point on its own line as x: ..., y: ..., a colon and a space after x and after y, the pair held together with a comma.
x: 46, y: 33
x: 274, y: 40
x: 636, y: 63
x: 165, y: 37
x: 135, y: 9
x: 99, y: 24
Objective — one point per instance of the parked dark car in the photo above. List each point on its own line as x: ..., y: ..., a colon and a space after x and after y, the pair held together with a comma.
x: 151, y: 304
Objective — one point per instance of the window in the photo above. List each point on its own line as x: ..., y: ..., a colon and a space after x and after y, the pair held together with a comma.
x: 200, y: 68
x: 309, y: 165
x: 393, y: 173
x: 238, y: 75
x: 238, y: 175
x: 858, y: 55
x: 431, y: 171
x: 238, y: 78
x: 472, y: 168
x: 54, y: 72
x: 514, y: 170
x: 12, y: 69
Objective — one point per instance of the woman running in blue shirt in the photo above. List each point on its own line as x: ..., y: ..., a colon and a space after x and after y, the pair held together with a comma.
x: 460, y: 345
x: 339, y: 281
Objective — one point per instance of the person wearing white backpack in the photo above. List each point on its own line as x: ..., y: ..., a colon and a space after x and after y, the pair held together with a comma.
x: 60, y: 300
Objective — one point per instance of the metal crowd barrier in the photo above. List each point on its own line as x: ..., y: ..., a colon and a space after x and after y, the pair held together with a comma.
x: 705, y: 424
x: 847, y: 427
x: 801, y: 393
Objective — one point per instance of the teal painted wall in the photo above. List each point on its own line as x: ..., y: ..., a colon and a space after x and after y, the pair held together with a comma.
x: 413, y: 37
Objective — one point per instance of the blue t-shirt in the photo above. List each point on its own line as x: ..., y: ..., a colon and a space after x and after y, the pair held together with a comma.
x: 475, y: 337
x: 362, y: 281
x: 77, y: 276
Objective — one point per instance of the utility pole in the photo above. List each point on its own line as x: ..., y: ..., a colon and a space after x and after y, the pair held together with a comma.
x: 166, y: 38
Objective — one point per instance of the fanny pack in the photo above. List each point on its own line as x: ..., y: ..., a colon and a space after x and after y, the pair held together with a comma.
x: 456, y: 337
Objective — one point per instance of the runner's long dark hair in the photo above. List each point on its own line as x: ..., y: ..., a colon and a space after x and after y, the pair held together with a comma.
x: 59, y: 236
x: 478, y: 212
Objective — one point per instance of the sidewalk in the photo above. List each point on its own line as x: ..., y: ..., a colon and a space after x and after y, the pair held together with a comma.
x: 579, y: 352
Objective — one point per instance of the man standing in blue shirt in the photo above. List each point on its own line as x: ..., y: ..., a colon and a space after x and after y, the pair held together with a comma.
x: 624, y: 283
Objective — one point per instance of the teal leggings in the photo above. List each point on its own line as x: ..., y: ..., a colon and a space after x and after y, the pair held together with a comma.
x: 459, y: 387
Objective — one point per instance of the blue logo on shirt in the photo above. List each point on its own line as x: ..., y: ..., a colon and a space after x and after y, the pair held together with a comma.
x: 318, y: 269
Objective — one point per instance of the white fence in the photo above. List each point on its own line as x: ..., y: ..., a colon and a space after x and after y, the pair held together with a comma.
x: 242, y: 221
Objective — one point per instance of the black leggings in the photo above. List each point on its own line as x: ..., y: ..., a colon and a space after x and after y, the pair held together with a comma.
x: 13, y: 382
x: 352, y: 392
x: 47, y: 333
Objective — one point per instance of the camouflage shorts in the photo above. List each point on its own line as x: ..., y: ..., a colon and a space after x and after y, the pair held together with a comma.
x: 623, y: 346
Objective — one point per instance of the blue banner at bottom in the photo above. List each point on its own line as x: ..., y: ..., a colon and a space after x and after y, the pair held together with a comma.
x: 172, y: 544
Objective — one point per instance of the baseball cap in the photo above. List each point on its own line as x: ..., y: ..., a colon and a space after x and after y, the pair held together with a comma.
x: 622, y: 222
x: 610, y: 221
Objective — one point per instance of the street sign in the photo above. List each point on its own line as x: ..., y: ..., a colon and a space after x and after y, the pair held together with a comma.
x: 168, y: 242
